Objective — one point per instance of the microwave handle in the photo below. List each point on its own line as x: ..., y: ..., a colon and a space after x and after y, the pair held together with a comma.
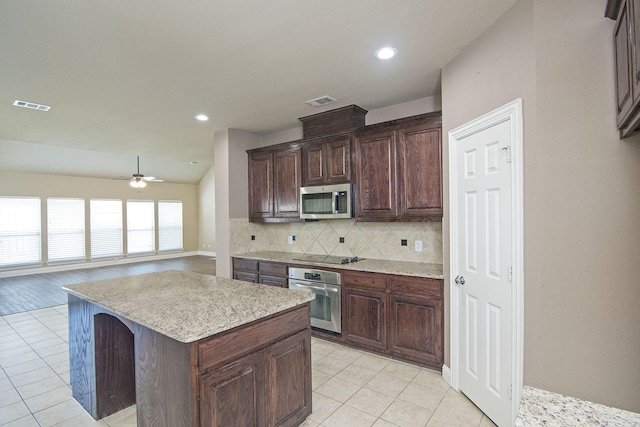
x: 336, y: 194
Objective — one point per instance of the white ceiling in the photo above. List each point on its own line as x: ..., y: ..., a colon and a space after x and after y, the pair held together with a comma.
x: 125, y: 78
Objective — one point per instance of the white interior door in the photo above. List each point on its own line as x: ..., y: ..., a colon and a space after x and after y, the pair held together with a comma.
x: 484, y: 269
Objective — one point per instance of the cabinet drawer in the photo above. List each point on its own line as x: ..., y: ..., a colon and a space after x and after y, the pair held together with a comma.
x: 273, y: 269
x: 245, y: 264
x: 416, y: 285
x: 228, y: 346
x: 364, y: 280
x: 245, y: 276
x: 273, y: 281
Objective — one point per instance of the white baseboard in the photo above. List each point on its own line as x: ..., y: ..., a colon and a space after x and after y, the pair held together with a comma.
x: 204, y: 253
x: 100, y: 263
x: 446, y: 374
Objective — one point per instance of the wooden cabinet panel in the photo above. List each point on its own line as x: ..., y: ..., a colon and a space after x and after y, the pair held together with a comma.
x: 280, y: 282
x: 287, y: 182
x: 366, y: 317
x: 289, y: 390
x: 623, y: 63
x: 273, y: 268
x: 416, y: 329
x: 376, y: 193
x: 420, y: 172
x: 260, y: 185
x: 327, y: 161
x: 232, y: 396
x: 246, y: 276
x: 416, y: 320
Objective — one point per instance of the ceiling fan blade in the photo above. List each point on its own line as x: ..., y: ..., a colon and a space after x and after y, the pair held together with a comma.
x: 122, y: 178
x: 153, y: 180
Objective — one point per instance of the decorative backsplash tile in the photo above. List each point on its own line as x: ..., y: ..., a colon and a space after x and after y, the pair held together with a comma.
x: 363, y: 239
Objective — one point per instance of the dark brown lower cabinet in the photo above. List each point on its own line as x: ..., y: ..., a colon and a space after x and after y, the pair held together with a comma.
x: 231, y: 396
x: 267, y: 388
x: 365, y: 317
x: 398, y: 316
x: 255, y: 271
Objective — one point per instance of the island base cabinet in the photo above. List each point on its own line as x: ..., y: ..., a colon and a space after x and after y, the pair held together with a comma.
x: 288, y: 388
x: 231, y: 396
x: 270, y: 387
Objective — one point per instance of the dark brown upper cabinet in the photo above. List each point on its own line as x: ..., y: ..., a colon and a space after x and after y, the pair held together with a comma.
x: 398, y: 170
x: 626, y: 43
x: 327, y: 161
x: 275, y: 177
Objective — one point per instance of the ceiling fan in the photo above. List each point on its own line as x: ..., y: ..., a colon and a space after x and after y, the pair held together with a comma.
x: 138, y: 180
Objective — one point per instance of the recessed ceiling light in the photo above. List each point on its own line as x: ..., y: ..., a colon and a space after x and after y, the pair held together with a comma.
x: 202, y: 117
x: 193, y: 163
x: 386, y: 52
x: 32, y: 105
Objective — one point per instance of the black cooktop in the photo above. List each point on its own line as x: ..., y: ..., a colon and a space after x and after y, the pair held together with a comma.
x: 328, y: 259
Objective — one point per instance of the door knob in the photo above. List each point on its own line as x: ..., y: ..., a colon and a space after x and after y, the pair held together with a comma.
x: 460, y: 280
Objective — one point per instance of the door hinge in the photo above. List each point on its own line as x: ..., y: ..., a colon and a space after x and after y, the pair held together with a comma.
x: 510, y: 390
x: 510, y: 274
x: 508, y: 150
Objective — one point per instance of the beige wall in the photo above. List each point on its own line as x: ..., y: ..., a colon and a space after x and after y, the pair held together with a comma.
x: 582, y: 192
x: 207, y: 212
x: 22, y: 184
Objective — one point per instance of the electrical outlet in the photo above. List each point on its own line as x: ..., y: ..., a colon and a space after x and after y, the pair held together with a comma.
x: 291, y: 239
x: 341, y: 239
x: 418, y: 245
x: 403, y: 242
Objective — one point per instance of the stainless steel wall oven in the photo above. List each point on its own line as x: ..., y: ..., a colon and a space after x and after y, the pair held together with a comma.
x: 325, y: 309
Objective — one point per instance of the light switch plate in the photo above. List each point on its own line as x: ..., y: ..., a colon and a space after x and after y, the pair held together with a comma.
x: 418, y: 245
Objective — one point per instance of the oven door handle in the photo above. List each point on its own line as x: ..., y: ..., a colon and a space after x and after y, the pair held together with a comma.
x: 318, y: 289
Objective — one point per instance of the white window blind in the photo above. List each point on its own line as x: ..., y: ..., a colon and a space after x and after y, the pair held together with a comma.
x: 65, y: 230
x: 106, y: 228
x: 20, y: 231
x: 169, y: 226
x: 140, y: 227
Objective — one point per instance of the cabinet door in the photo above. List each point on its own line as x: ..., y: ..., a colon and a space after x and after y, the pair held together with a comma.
x: 288, y: 373
x: 287, y: 178
x: 376, y: 195
x: 260, y: 185
x: 365, y: 317
x: 634, y: 27
x: 338, y: 160
x: 234, y: 394
x: 314, y: 167
x: 624, y: 94
x: 416, y: 324
x: 420, y: 172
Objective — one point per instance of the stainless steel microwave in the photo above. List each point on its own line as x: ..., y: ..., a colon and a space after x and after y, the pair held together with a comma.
x: 326, y: 202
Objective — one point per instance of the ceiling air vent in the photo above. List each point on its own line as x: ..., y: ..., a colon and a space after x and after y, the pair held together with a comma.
x: 32, y: 105
x: 319, y: 102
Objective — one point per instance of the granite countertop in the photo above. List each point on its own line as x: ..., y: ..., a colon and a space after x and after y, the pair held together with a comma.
x: 187, y: 306
x: 405, y: 268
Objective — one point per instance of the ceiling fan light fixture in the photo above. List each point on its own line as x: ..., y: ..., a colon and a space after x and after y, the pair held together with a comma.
x: 137, y: 183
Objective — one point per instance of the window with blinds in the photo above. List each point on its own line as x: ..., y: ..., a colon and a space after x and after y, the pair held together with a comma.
x: 140, y: 227
x: 65, y: 230
x: 106, y: 228
x: 20, y: 231
x: 169, y: 226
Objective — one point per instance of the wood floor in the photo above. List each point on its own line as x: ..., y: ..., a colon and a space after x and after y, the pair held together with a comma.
x: 35, y: 291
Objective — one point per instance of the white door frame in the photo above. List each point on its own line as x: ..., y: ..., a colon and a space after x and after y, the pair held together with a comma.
x: 511, y: 112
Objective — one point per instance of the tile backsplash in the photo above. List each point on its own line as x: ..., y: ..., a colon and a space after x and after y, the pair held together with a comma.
x: 378, y: 240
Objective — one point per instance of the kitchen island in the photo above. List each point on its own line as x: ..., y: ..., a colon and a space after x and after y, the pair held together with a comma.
x: 190, y: 350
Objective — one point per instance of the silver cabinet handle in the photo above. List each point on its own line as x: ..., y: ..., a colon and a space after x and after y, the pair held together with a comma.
x: 460, y: 280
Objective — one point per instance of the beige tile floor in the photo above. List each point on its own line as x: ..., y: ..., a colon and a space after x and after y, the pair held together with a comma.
x: 350, y: 388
